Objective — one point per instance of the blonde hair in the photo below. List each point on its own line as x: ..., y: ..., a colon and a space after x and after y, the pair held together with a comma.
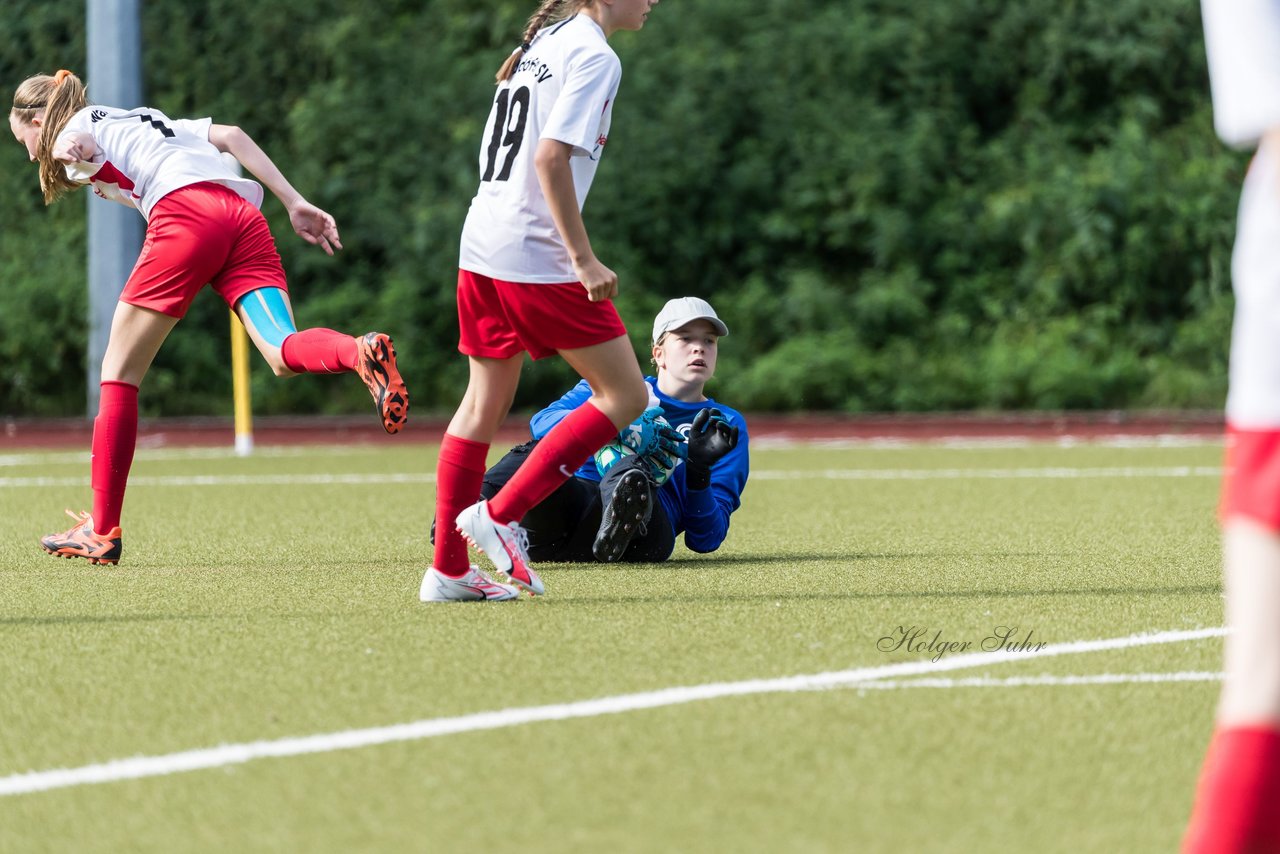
x: 60, y: 96
x: 548, y: 12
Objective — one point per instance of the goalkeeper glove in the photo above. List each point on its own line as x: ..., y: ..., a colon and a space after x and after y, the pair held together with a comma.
x: 651, y: 432
x: 710, y: 438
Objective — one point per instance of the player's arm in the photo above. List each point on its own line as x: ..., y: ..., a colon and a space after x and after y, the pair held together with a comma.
x: 707, y: 512
x: 1271, y: 144
x: 310, y: 222
x: 75, y: 147
x: 551, y: 162
x: 541, y: 423
x: 708, y: 508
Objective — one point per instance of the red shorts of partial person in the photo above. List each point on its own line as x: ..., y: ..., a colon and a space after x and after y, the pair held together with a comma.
x: 203, y: 234
x: 1251, y: 476
x: 498, y: 319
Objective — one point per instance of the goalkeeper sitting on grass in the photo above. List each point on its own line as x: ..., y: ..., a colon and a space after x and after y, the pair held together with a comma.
x: 683, y: 472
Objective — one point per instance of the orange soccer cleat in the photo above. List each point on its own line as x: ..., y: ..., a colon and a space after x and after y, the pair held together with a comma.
x: 82, y: 541
x: 377, y: 367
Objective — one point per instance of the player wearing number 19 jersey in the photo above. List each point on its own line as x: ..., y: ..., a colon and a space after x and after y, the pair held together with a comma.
x: 1237, y: 805
x: 203, y: 227
x: 563, y: 88
x: 529, y: 281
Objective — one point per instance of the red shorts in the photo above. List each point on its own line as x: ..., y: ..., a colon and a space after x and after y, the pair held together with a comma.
x: 203, y: 234
x: 1251, y: 476
x: 499, y: 319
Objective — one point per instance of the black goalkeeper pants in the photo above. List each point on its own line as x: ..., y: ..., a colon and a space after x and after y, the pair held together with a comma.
x: 563, y: 526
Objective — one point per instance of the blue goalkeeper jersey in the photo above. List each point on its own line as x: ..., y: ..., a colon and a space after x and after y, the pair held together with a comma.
x: 701, y: 514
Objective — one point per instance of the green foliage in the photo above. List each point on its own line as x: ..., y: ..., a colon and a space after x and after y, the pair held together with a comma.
x: 895, y: 206
x: 42, y: 251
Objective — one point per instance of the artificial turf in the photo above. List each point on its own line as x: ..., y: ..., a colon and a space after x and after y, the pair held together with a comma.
x: 276, y: 596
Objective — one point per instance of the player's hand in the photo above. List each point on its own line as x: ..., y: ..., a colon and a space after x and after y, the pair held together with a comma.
x: 314, y: 226
x: 74, y: 148
x: 601, y: 282
x: 661, y: 462
x: 710, y: 438
x: 647, y: 435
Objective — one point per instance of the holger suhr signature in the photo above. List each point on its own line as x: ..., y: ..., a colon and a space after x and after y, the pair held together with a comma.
x: 924, y: 639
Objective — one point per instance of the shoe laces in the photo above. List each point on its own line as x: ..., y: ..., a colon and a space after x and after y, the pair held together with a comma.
x: 80, y: 518
x: 483, y: 579
x: 648, y: 470
x: 479, y: 575
x: 521, y: 537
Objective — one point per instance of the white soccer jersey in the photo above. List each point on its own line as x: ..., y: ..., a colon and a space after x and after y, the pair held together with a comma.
x: 563, y: 89
x: 1242, y: 41
x: 143, y: 155
x: 1253, y: 396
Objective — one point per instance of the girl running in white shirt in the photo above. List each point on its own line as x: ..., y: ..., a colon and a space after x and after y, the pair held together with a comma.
x: 203, y: 227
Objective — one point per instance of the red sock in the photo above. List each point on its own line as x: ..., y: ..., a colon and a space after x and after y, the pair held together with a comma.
x: 320, y: 351
x: 1237, y: 809
x: 553, y: 460
x: 115, y: 433
x: 459, y: 476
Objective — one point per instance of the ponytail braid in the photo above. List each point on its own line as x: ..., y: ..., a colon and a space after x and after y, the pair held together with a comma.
x: 548, y: 12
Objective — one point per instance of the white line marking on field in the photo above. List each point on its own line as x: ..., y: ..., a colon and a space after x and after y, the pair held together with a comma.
x: 1026, y: 681
x: 764, y: 474
x: 758, y: 443
x: 229, y: 480
x: 992, y: 474
x: 166, y: 454
x: 231, y: 754
x: 968, y: 443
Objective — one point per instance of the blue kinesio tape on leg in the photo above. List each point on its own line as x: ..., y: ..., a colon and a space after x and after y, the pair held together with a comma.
x: 269, y: 314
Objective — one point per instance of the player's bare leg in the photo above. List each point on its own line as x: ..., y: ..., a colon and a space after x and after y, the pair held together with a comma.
x: 1240, y: 782
x: 491, y: 389
x: 267, y: 315
x: 618, y: 388
x: 1251, y: 566
x: 459, y: 474
x: 136, y: 337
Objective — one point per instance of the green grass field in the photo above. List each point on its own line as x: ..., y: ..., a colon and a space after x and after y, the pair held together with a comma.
x: 275, y: 597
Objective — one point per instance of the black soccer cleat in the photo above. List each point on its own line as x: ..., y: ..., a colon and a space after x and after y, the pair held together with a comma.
x: 626, y: 513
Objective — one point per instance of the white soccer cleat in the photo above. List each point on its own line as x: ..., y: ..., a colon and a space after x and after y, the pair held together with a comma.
x: 506, y: 545
x: 472, y: 587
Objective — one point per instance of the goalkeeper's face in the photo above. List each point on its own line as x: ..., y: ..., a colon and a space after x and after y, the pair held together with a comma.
x: 688, y: 354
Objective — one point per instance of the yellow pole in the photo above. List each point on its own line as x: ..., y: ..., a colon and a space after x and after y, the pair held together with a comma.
x: 240, y: 387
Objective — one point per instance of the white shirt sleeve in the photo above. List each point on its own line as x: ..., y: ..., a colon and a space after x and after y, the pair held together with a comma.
x: 81, y: 173
x: 195, y: 127
x: 79, y: 123
x: 592, y: 84
x: 1242, y: 42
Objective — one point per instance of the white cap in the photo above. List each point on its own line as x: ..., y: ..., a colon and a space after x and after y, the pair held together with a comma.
x: 682, y: 310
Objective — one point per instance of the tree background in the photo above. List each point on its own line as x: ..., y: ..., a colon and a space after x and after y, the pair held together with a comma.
x: 895, y: 206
